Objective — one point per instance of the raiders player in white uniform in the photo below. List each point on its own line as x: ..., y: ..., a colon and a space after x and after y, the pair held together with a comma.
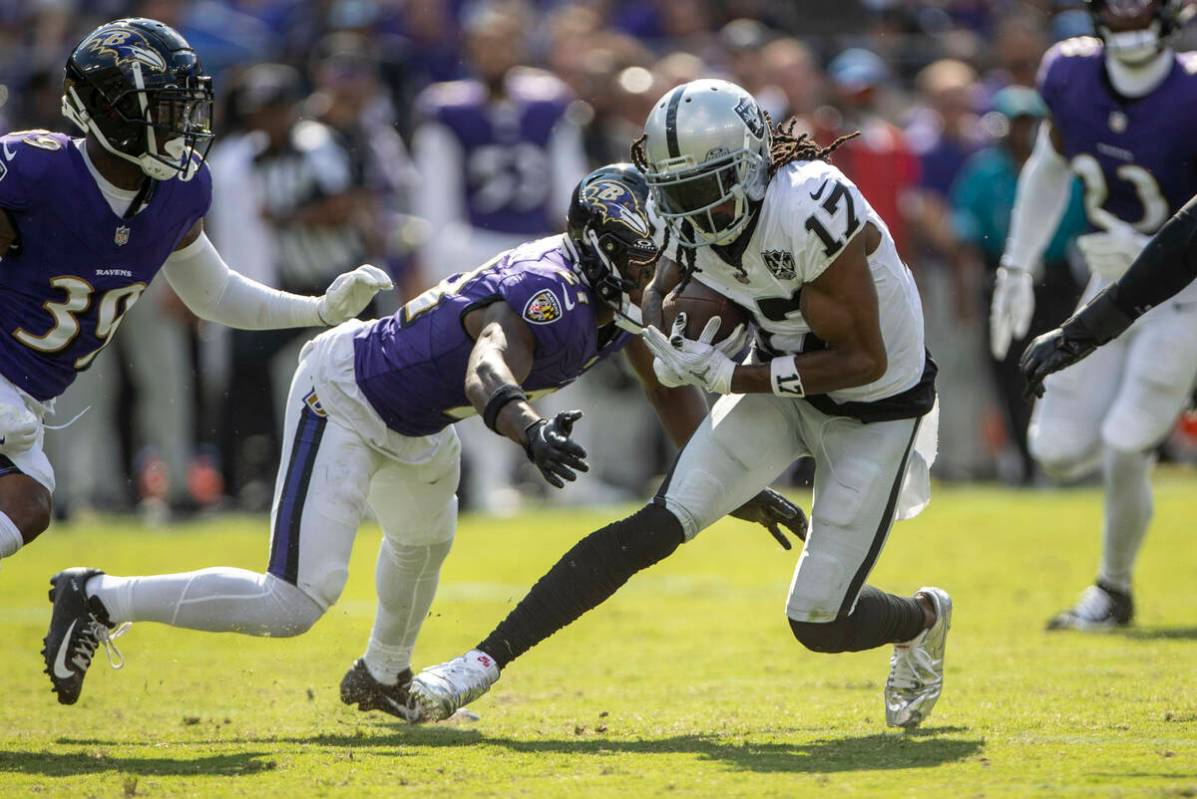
x: 839, y: 372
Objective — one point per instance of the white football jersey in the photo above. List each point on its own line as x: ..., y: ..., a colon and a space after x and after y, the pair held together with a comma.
x: 810, y: 211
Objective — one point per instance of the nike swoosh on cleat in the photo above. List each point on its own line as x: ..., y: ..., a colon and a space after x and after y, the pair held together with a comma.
x: 60, y: 669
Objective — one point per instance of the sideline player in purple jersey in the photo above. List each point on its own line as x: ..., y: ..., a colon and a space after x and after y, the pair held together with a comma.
x: 1123, y: 115
x: 370, y: 425
x: 86, y: 223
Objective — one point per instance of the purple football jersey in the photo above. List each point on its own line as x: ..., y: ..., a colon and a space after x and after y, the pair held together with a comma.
x: 505, y: 162
x: 80, y: 267
x: 411, y: 366
x: 1137, y: 157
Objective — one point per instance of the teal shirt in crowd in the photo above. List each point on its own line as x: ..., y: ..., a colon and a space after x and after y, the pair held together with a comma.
x: 983, y: 196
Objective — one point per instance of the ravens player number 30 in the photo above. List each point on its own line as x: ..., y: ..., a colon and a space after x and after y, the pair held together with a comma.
x: 1123, y: 109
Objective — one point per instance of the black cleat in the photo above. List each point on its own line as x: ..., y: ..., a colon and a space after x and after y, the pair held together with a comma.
x: 358, y: 687
x: 1101, y: 607
x: 77, y: 627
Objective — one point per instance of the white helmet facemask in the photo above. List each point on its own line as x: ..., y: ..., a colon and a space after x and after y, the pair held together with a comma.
x: 172, y: 159
x: 1134, y: 47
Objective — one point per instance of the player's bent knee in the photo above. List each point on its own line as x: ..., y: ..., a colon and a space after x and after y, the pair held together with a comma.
x: 297, y: 612
x: 824, y: 637
x: 1061, y: 459
x: 28, y: 503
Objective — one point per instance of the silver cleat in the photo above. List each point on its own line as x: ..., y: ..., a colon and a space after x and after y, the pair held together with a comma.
x: 438, y: 692
x: 916, y: 668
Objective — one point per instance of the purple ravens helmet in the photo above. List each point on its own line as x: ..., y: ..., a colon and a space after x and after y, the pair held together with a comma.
x: 139, y: 88
x: 612, y: 231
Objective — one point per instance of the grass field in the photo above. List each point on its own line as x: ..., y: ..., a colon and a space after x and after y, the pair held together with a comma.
x: 688, y: 683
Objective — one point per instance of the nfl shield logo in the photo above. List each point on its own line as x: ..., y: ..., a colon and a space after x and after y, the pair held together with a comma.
x: 1118, y: 122
x: 122, y: 236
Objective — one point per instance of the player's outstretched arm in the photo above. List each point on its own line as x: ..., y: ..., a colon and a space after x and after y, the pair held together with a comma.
x: 1167, y: 265
x: 499, y: 363
x: 1039, y: 203
x: 213, y: 291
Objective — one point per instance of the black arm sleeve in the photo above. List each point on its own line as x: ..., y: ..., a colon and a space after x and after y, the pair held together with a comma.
x: 1166, y: 265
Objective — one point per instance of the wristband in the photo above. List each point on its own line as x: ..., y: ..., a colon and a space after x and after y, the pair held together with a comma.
x: 784, y: 377
x: 528, y: 432
x: 503, y: 395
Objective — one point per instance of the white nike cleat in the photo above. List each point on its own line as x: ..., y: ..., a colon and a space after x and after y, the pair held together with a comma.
x: 916, y: 668
x: 438, y: 692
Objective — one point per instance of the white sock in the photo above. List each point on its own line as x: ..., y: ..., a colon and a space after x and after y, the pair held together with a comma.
x: 220, y: 599
x: 1128, y: 508
x: 10, y: 537
x: 406, y: 578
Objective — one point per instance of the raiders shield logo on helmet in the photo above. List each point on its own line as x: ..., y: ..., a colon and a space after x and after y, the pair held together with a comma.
x: 780, y: 263
x: 750, y: 112
x: 542, y: 308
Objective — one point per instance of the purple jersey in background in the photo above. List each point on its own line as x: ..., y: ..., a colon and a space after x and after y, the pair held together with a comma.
x: 1137, y: 157
x: 505, y: 158
x: 412, y: 366
x: 80, y: 267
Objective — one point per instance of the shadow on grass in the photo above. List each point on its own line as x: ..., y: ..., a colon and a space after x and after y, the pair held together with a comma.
x: 822, y: 756
x: 880, y: 751
x: 66, y: 764
x: 1159, y: 633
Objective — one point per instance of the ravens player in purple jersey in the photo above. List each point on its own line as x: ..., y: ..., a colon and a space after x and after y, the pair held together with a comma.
x: 1123, y: 111
x: 1166, y: 267
x: 369, y: 424
x: 86, y: 224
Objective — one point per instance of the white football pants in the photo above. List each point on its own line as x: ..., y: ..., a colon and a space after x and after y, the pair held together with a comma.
x: 748, y: 440
x: 328, y: 475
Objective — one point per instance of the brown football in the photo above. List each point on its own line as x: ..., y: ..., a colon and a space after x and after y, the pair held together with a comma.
x: 700, y: 304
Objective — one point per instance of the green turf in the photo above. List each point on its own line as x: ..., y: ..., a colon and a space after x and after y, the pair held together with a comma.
x: 688, y: 683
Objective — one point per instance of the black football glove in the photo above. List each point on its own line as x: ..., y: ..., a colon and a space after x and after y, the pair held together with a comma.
x: 1050, y: 353
x: 551, y: 449
x: 773, y: 511
x: 1093, y: 325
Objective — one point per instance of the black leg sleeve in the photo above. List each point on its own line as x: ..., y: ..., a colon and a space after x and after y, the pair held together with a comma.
x: 584, y: 578
x: 878, y: 619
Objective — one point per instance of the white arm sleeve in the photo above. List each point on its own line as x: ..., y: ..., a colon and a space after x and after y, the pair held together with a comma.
x: 568, y: 158
x: 213, y: 291
x: 1044, y: 186
x: 438, y: 158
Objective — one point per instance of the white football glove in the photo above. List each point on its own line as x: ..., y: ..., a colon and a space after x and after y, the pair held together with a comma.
x: 18, y: 429
x: 350, y: 293
x: 683, y: 361
x: 1013, y: 307
x: 1111, y: 252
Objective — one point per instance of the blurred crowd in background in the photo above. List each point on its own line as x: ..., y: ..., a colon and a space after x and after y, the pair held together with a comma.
x: 349, y: 131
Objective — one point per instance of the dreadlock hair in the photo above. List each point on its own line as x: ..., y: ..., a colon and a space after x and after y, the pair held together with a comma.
x: 786, y: 148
